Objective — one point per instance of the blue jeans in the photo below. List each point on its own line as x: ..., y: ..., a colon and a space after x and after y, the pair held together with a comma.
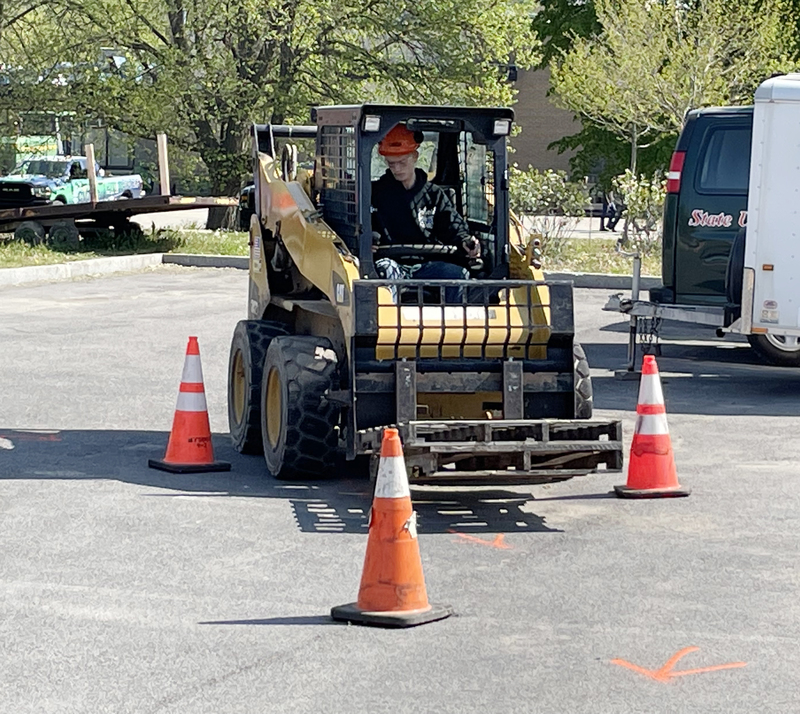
x: 435, y: 270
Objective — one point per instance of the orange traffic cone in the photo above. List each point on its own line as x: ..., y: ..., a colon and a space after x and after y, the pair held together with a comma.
x: 651, y: 466
x: 189, y: 449
x: 392, y: 592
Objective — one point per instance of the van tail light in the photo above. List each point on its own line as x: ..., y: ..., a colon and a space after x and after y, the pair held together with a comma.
x: 675, y: 170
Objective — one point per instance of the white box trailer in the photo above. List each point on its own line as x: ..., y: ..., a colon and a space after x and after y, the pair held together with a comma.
x: 771, y: 281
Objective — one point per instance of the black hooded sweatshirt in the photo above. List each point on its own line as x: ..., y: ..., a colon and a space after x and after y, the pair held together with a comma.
x: 419, y: 215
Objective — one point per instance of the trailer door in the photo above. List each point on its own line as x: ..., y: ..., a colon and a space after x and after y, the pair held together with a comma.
x: 772, y: 248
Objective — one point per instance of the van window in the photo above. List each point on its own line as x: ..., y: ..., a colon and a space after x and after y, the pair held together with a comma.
x: 725, y: 164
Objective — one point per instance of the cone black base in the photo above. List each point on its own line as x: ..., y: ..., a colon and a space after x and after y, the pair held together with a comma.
x: 188, y: 468
x: 354, y: 614
x: 625, y: 492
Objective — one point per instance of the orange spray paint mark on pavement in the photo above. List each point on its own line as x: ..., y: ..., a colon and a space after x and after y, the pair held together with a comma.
x: 666, y: 673
x: 498, y: 542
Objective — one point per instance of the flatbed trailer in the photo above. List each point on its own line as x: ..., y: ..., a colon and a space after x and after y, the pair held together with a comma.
x: 64, y: 222
x: 105, y: 213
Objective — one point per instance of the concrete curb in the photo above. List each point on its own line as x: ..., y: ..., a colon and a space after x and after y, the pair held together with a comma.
x: 65, y: 271
x: 129, y: 263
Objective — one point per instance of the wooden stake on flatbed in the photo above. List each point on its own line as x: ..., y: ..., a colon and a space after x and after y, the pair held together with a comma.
x: 90, y: 173
x: 163, y: 164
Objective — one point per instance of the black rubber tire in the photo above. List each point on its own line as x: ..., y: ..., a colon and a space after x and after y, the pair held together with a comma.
x: 30, y: 232
x: 304, y: 439
x: 64, y: 234
x: 768, y: 348
x: 584, y: 399
x: 734, y: 272
x: 249, y: 345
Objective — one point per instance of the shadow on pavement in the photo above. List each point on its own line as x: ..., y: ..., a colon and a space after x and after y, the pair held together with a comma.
x: 298, y: 620
x: 325, y: 506
x: 719, y: 378
x: 581, y: 496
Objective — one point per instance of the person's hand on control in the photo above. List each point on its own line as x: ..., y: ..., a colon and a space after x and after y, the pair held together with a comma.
x: 473, y: 248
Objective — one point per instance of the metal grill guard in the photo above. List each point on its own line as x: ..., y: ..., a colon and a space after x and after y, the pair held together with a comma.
x: 486, y: 319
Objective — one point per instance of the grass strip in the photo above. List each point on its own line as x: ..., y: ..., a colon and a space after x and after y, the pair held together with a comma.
x: 584, y: 255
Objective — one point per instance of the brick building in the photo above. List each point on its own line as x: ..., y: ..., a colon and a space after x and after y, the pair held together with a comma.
x: 541, y: 121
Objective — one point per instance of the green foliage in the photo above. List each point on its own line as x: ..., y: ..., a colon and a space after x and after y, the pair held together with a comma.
x: 188, y: 173
x: 644, y: 206
x: 601, y: 155
x: 533, y: 192
x: 204, y: 71
x: 654, y: 61
x: 549, y: 203
x: 127, y: 242
x: 558, y: 22
x: 215, y: 243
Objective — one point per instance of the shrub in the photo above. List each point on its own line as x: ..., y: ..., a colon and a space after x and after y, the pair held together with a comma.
x: 548, y: 203
x: 644, y: 205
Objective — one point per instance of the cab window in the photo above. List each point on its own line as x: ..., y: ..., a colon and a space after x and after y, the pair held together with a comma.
x: 477, y: 171
x: 76, y: 171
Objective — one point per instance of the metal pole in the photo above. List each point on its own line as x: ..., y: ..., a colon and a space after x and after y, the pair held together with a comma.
x: 635, y: 282
x: 637, y: 274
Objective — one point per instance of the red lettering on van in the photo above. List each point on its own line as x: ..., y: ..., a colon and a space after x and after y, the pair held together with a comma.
x: 742, y: 219
x: 707, y: 220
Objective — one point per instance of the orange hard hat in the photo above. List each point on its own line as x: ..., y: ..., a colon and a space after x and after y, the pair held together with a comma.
x: 398, y: 142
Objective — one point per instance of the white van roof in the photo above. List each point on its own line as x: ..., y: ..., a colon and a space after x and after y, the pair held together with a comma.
x: 784, y: 88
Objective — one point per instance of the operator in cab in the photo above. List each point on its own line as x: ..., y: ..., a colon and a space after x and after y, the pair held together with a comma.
x: 410, y: 210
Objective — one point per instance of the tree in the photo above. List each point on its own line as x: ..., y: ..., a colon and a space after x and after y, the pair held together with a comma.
x: 604, y: 155
x: 654, y: 60
x: 203, y: 71
x: 558, y: 22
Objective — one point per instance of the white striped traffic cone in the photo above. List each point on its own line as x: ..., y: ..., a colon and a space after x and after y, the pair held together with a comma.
x: 392, y: 592
x: 189, y: 449
x: 651, y: 466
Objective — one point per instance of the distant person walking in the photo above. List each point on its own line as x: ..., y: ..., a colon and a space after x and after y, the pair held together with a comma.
x: 614, y: 212
x: 604, y: 211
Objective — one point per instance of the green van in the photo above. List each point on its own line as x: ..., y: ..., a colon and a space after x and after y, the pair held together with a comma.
x: 706, y: 205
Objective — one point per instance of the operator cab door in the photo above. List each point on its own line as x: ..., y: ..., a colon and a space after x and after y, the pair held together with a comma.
x: 712, y: 208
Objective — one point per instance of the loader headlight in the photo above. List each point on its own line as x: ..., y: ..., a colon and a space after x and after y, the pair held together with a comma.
x: 372, y: 123
x: 502, y: 127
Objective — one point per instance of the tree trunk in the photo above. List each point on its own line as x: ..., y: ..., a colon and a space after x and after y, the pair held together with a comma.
x: 222, y: 218
x: 227, y: 165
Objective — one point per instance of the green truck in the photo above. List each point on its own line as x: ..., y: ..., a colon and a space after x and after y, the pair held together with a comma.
x: 62, y: 179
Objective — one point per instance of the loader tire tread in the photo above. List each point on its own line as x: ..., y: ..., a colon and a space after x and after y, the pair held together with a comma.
x: 584, y: 395
x: 308, y: 443
x: 253, y: 338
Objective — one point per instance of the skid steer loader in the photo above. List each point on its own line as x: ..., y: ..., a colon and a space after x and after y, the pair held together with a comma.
x: 488, y: 387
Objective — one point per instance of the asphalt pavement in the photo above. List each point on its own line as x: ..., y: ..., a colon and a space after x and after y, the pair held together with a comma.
x: 125, y: 589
